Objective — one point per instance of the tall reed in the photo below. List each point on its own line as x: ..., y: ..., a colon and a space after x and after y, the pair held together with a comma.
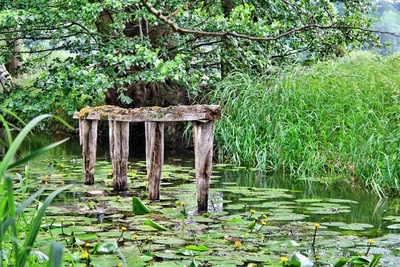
x: 18, y: 231
x: 338, y: 117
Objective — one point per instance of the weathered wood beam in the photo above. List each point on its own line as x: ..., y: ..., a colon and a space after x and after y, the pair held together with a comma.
x: 203, y: 134
x: 119, y: 153
x: 173, y: 113
x: 88, y: 140
x: 154, y: 157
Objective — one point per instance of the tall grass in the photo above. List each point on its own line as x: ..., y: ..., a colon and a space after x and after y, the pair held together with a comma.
x: 339, y: 117
x: 18, y: 231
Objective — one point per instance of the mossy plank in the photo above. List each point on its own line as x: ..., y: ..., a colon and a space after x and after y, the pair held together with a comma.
x: 173, y: 113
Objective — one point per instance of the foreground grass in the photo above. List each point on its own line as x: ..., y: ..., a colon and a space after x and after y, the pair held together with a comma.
x: 339, y: 117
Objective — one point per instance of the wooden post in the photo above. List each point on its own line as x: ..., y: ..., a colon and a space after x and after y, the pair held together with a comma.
x: 88, y: 140
x: 119, y: 153
x: 203, y: 133
x: 154, y: 157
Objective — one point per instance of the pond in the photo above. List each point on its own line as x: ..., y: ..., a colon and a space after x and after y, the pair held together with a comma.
x: 254, y: 219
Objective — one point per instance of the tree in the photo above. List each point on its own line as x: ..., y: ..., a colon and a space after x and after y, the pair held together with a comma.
x: 141, y: 52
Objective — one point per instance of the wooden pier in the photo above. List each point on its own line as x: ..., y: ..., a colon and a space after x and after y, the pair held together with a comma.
x: 201, y: 116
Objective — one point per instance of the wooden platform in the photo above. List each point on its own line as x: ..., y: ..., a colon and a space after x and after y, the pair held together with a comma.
x: 202, y: 117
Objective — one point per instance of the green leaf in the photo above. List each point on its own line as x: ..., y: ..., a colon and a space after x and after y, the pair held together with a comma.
x: 35, y: 226
x: 55, y: 255
x: 342, y: 262
x: 18, y: 141
x: 36, y: 154
x: 193, y: 263
x: 155, y: 225
x: 197, y: 248
x: 375, y: 260
x: 186, y: 252
x: 251, y: 225
x: 359, y: 260
x: 105, y: 248
x: 139, y: 207
x: 304, y: 260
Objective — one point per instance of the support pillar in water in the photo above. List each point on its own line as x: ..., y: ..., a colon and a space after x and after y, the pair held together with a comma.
x: 119, y: 153
x: 203, y: 134
x: 154, y: 157
x: 88, y: 140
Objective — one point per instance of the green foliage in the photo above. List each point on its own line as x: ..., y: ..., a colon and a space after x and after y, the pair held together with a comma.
x: 155, y: 225
x: 138, y: 207
x: 338, y: 117
x: 112, y: 45
x: 18, y: 232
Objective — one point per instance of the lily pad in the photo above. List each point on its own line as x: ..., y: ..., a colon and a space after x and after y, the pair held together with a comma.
x: 394, y: 226
x: 356, y: 226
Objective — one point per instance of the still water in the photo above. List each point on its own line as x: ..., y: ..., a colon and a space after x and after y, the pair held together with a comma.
x: 349, y: 215
x: 320, y: 201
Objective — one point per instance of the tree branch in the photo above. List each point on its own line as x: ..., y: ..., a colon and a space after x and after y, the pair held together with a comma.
x: 176, y: 28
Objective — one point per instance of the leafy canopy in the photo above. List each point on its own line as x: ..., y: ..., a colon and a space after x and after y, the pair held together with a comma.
x: 113, y: 44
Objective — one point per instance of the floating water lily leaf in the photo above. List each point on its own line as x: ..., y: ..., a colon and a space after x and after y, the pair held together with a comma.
x: 87, y: 237
x: 155, y: 225
x: 308, y: 200
x: 327, y: 210
x: 251, y: 199
x: 288, y: 243
x: 107, y: 260
x: 139, y: 207
x: 356, y: 226
x: 273, y: 204
x: 287, y: 217
x: 186, y: 252
x: 304, y: 260
x: 392, y: 218
x: 169, y: 241
x: 394, y: 226
x: 235, y: 207
x: 105, y: 248
x: 260, y: 258
x: 197, y: 248
x: 333, y: 223
x: 335, y: 200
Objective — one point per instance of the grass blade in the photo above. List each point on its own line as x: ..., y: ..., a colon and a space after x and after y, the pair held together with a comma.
x: 18, y: 141
x: 35, y: 226
x: 35, y: 154
x: 55, y: 255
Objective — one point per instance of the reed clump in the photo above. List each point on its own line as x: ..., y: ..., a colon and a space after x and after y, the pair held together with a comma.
x: 338, y: 117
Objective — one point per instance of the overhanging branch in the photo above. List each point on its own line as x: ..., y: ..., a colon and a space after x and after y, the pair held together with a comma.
x: 176, y: 28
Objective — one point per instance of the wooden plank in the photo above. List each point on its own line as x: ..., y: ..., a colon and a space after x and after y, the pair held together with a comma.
x: 203, y: 134
x: 88, y: 136
x: 154, y: 157
x: 119, y: 153
x: 161, y: 114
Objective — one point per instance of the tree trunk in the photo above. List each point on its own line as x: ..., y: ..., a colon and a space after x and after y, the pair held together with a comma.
x: 6, y: 82
x: 142, y: 93
x: 227, y: 7
x: 14, y: 64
